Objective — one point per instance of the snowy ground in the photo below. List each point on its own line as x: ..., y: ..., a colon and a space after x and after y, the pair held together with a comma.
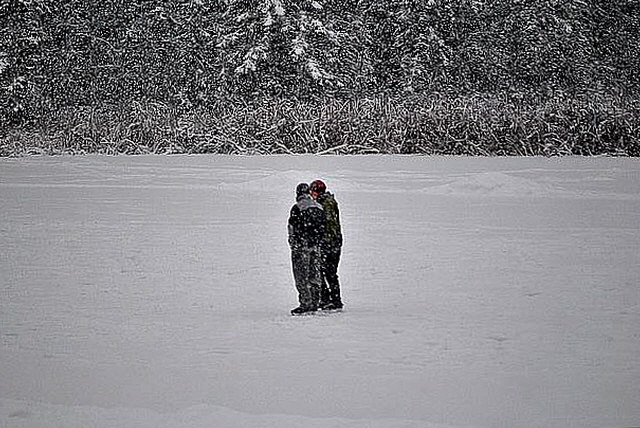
x: 155, y: 292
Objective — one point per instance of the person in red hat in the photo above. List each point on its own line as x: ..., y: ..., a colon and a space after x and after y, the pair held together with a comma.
x: 330, y: 247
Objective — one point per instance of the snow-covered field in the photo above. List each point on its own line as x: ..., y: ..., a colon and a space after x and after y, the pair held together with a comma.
x: 155, y: 292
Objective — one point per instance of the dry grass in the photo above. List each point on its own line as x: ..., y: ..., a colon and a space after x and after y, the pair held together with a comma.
x: 464, y: 125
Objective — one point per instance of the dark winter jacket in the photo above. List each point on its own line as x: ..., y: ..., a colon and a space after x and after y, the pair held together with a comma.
x: 333, y: 232
x: 306, y: 223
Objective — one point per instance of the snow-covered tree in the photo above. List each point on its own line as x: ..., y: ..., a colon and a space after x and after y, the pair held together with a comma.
x: 278, y: 46
x: 57, y: 53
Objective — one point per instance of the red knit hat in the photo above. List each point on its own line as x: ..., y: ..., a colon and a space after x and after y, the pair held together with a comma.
x: 318, y: 186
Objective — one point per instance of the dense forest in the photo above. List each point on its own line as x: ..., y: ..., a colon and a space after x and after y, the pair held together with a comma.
x: 474, y: 77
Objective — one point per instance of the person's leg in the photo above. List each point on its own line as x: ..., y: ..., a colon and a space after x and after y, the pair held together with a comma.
x: 315, y: 277
x: 325, y: 292
x: 331, y: 261
x: 300, y: 263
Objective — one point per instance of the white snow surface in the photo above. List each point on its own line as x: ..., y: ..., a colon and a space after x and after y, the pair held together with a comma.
x: 155, y: 291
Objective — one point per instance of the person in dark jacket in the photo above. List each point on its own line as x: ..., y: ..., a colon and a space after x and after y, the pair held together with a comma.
x: 306, y: 229
x: 330, y: 247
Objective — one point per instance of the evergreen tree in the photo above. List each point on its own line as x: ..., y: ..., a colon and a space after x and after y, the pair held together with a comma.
x: 278, y: 46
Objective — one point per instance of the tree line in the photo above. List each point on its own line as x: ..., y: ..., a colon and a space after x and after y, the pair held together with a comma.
x: 207, y: 54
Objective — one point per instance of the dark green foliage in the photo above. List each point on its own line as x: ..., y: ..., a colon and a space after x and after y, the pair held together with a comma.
x: 261, y: 76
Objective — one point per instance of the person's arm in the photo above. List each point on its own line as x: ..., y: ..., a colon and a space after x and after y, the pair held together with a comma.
x: 291, y: 225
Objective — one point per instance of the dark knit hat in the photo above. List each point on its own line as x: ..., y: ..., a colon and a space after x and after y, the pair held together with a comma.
x: 318, y: 186
x: 302, y: 189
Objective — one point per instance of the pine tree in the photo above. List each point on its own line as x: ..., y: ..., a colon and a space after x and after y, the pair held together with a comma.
x: 278, y: 46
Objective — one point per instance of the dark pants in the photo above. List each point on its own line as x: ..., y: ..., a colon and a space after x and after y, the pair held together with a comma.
x: 330, y: 289
x: 307, y: 275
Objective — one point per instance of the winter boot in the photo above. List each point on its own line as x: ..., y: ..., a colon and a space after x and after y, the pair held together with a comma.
x: 300, y: 310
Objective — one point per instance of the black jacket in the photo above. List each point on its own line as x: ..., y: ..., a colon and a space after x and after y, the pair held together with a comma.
x: 306, y: 223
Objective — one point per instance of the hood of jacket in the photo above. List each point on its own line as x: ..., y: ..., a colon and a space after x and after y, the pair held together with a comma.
x: 306, y: 201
